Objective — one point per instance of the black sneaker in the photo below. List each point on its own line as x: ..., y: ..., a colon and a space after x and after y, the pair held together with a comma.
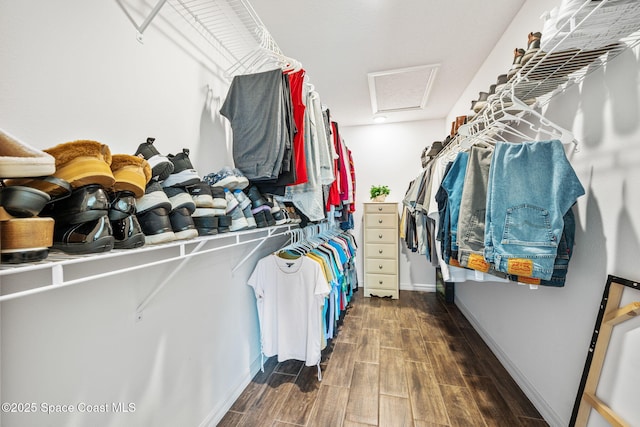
x: 182, y: 224
x: 122, y: 205
x: 261, y: 220
x: 219, y: 199
x: 85, y: 204
x: 183, y: 172
x: 161, y: 166
x: 255, y: 196
x: 84, y: 238
x: 224, y: 223
x: 156, y: 225
x: 206, y: 223
x: 127, y: 233
x: 201, y: 195
x: 179, y: 198
x: 154, y: 197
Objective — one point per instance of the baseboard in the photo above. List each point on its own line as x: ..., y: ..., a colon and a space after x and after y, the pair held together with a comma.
x: 217, y: 413
x: 534, y: 396
x: 417, y: 287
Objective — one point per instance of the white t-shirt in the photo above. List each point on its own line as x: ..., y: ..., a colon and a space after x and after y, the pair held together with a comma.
x: 290, y: 294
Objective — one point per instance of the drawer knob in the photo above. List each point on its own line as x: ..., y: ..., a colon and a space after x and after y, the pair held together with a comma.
x: 380, y: 282
x: 380, y: 266
x: 379, y: 251
x: 379, y: 221
x: 380, y: 208
x: 380, y: 236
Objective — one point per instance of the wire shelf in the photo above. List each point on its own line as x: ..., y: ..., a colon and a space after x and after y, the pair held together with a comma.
x: 573, y: 46
x: 232, y: 27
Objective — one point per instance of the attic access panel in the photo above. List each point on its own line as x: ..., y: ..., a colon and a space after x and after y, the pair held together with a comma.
x: 403, y: 89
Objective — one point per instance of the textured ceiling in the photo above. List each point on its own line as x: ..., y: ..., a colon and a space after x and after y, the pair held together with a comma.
x: 339, y: 42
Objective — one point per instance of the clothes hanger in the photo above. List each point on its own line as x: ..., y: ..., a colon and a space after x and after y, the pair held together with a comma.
x: 564, y: 135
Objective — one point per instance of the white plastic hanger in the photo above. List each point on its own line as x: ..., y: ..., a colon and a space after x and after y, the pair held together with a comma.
x: 565, y: 136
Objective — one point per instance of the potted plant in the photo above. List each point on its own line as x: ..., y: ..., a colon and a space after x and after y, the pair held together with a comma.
x: 379, y: 193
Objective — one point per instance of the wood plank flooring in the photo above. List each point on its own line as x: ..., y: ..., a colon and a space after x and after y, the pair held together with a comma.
x: 409, y: 362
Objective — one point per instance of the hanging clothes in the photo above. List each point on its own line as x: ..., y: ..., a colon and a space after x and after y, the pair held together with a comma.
x: 509, y: 218
x: 260, y: 119
x: 301, y: 293
x: 290, y: 296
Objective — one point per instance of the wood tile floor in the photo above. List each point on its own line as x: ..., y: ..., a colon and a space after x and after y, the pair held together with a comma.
x: 409, y: 362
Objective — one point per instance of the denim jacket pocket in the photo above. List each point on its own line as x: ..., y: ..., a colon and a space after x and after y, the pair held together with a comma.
x: 528, y: 225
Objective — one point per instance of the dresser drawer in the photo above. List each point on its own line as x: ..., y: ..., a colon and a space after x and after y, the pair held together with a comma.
x: 382, y: 281
x: 380, y: 235
x: 381, y: 250
x: 381, y: 266
x: 381, y: 208
x: 380, y: 220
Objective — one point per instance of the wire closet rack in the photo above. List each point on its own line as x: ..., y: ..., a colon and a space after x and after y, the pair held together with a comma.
x: 232, y: 27
x: 577, y: 40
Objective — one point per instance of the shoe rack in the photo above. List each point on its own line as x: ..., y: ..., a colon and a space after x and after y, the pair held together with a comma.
x: 604, y: 29
x: 61, y: 270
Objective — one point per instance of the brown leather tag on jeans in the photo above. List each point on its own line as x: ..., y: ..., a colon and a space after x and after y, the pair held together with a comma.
x: 520, y: 267
x: 477, y: 262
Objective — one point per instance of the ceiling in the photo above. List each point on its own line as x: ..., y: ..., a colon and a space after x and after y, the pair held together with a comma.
x: 339, y: 42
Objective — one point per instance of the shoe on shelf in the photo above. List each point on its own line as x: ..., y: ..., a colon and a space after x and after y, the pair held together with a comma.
x: 533, y: 46
x: 161, y: 166
x: 182, y: 224
x: 179, y: 198
x: 219, y: 200
x: 260, y: 219
x: 224, y: 223
x: 152, y: 211
x: 201, y: 195
x: 87, y: 203
x: 243, y: 201
x: 255, y: 196
x: 182, y: 206
x: 121, y: 205
x: 206, y: 221
x: 20, y: 160
x: 501, y: 82
x: 183, y: 173
x: 131, y: 173
x: 518, y: 53
x: 239, y: 222
x: 224, y: 178
x: 156, y: 225
x: 479, y: 104
x: 25, y: 239
x: 243, y: 181
x: 127, y: 233
x: 279, y: 214
x: 84, y: 238
x: 83, y: 162
x: 263, y: 211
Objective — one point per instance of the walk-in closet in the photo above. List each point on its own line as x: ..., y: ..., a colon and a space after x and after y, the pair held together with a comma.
x: 338, y: 213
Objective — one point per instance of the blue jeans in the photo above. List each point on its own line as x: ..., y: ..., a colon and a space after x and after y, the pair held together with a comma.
x: 531, y: 187
x: 453, y: 183
x: 565, y: 250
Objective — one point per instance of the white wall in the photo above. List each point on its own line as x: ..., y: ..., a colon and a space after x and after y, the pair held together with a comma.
x: 73, y: 69
x: 543, y: 335
x: 389, y: 154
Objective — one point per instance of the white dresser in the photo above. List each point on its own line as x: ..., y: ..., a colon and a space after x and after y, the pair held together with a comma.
x: 381, y: 250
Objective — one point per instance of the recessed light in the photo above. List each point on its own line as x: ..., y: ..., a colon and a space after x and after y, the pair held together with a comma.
x: 380, y: 119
